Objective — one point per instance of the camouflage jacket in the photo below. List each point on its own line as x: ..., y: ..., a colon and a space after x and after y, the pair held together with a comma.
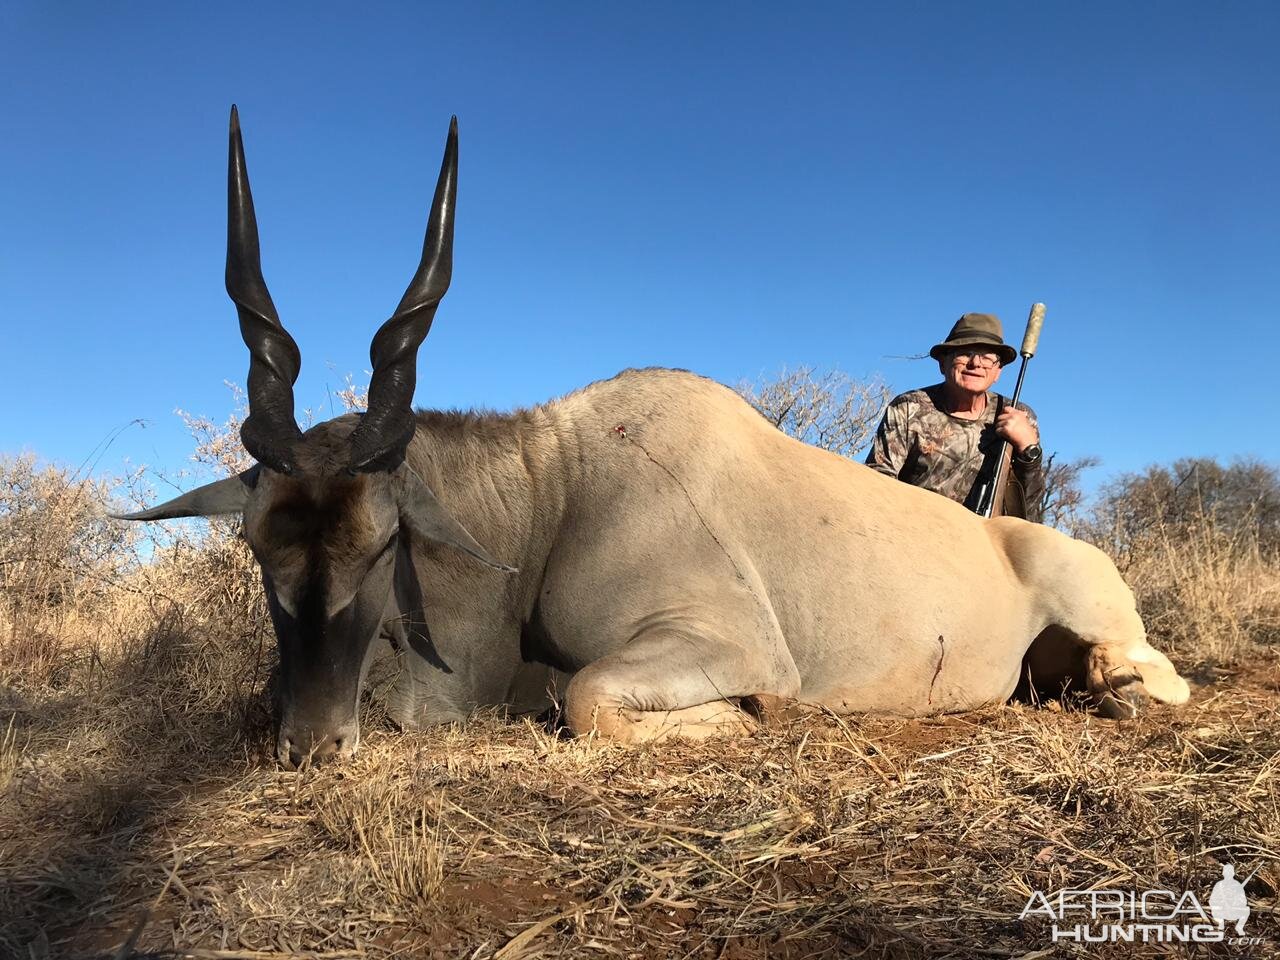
x: 919, y: 443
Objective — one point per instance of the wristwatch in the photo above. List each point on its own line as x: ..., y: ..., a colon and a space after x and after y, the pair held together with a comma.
x: 1029, y: 456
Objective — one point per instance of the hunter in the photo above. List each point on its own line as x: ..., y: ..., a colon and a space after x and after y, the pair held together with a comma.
x: 939, y: 437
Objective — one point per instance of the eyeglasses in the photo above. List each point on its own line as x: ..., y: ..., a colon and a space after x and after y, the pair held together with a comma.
x: 981, y: 358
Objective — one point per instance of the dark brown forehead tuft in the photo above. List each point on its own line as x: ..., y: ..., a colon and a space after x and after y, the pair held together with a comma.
x: 305, y: 506
x: 325, y: 450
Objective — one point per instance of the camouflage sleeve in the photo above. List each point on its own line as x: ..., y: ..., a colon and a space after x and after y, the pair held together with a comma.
x: 1031, y: 477
x: 892, y: 442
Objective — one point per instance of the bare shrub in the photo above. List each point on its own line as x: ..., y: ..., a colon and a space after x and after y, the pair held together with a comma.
x: 1240, y: 501
x: 60, y: 558
x: 827, y: 408
x: 352, y: 395
x: 1199, y: 543
x: 1063, y: 504
x: 55, y: 543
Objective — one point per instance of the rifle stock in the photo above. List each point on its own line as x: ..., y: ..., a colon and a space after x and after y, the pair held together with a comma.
x: 1003, y: 467
x: 993, y: 481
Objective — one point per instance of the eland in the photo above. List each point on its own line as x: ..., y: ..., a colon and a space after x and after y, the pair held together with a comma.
x: 651, y: 538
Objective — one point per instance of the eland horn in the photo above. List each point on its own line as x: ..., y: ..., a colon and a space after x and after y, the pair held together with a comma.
x: 270, y: 431
x: 380, y: 441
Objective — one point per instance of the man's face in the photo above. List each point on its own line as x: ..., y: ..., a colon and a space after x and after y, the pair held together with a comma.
x: 972, y: 369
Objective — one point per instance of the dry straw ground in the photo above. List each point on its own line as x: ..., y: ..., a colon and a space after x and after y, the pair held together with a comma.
x: 141, y: 814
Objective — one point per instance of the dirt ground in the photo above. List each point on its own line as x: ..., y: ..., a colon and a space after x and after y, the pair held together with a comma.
x: 165, y: 830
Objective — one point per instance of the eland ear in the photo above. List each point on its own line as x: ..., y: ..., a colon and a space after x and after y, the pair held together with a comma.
x: 212, y: 500
x: 425, y: 517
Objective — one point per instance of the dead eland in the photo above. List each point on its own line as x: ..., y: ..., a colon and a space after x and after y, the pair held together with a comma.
x: 650, y: 537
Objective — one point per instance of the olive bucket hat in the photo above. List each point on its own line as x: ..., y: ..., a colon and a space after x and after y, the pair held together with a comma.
x: 976, y: 329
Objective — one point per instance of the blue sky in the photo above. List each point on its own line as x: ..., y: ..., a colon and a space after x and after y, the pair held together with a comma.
x: 729, y: 188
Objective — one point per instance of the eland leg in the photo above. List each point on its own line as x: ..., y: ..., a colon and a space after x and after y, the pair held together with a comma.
x: 1122, y: 671
x: 1093, y: 632
x: 1124, y: 677
x: 670, y: 682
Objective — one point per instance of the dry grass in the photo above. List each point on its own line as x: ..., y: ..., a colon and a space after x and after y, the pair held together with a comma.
x: 1207, y: 594
x: 139, y: 795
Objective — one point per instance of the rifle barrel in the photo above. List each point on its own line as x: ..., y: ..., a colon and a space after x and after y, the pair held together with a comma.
x: 986, y: 505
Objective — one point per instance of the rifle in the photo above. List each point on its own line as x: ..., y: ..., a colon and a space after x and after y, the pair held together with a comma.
x: 994, y: 479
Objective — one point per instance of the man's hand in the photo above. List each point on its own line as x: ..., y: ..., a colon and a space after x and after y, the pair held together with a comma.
x: 1016, y: 427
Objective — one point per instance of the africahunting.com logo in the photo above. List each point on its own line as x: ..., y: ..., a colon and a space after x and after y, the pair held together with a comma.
x: 1147, y: 916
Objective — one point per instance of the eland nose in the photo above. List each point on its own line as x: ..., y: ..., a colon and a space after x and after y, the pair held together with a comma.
x: 293, y: 752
